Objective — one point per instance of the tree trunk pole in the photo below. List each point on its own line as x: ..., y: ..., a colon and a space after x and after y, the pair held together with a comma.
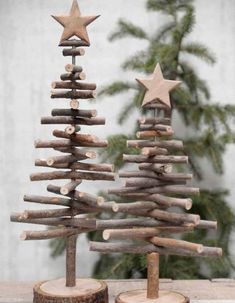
x: 71, y: 243
x: 152, y: 275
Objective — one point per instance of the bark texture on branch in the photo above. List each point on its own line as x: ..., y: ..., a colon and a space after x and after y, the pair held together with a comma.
x: 71, y: 175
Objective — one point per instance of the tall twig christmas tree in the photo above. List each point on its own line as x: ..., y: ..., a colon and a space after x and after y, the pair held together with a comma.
x: 154, y: 186
x: 69, y: 221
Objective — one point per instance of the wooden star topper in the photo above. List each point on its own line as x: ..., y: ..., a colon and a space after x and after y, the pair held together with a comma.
x: 75, y: 24
x: 158, y: 88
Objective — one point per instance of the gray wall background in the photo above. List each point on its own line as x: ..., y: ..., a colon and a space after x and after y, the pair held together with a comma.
x: 30, y: 60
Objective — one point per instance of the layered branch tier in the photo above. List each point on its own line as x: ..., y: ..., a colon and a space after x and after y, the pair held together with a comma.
x: 70, y: 160
x: 159, y: 197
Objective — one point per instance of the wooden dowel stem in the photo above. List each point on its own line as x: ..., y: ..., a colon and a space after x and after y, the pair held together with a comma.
x: 152, y: 275
x: 71, y: 242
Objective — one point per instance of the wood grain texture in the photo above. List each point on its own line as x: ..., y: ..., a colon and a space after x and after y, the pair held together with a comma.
x: 85, y: 291
x: 140, y: 296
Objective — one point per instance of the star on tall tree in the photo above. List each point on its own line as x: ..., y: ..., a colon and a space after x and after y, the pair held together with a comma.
x: 158, y: 88
x: 74, y: 24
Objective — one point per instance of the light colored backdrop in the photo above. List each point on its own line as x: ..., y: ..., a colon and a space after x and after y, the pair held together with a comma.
x: 30, y: 60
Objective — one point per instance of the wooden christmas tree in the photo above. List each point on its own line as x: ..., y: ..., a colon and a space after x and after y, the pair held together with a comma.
x: 152, y: 189
x: 68, y: 221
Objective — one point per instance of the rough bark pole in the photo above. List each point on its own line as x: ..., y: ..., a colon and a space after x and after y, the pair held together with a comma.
x: 71, y: 242
x: 152, y: 275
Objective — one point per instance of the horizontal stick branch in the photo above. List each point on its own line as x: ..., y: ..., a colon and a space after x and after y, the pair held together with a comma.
x: 61, y: 159
x: 71, y: 175
x: 74, y: 42
x: 73, y: 77
x: 153, y: 151
x: 78, y: 165
x: 71, y: 120
x: 70, y: 186
x: 73, y: 52
x: 149, y: 182
x: 144, y: 232
x: 170, y: 189
x: 73, y: 85
x: 74, y: 112
x: 50, y: 234
x: 48, y: 213
x: 152, y: 175
x: 75, y: 137
x: 83, y: 94
x: 149, y: 120
x: 156, y: 127
x: 167, y: 216
x: 68, y: 222
x: 175, y: 144
x: 142, y: 249
x: 154, y: 133
x: 68, y: 143
x: 156, y: 168
x: 89, y: 199
x: 71, y: 68
x: 156, y: 159
x: 48, y: 200
x: 173, y: 243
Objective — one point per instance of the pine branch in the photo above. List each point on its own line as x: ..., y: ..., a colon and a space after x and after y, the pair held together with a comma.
x: 127, y: 29
x: 200, y: 51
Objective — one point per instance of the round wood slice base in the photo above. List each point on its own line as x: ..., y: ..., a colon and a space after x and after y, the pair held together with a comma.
x: 85, y: 291
x: 140, y: 296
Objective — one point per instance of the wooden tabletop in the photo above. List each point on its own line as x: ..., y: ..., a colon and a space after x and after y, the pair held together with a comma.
x: 199, y: 291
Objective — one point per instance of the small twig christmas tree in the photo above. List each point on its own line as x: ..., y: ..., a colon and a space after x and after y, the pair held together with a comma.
x: 154, y: 186
x: 66, y: 222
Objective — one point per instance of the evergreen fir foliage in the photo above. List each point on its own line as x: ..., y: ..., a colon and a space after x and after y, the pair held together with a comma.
x: 210, y: 133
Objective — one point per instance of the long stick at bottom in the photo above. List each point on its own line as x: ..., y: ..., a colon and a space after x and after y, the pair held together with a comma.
x: 71, y: 243
x: 152, y: 275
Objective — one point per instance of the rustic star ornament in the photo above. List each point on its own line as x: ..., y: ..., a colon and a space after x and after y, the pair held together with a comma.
x: 158, y: 88
x: 74, y: 24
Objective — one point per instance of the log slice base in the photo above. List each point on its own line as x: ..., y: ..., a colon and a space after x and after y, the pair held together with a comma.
x: 140, y: 296
x: 85, y: 291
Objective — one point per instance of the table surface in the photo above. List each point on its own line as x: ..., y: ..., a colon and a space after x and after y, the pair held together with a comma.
x: 199, y: 291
